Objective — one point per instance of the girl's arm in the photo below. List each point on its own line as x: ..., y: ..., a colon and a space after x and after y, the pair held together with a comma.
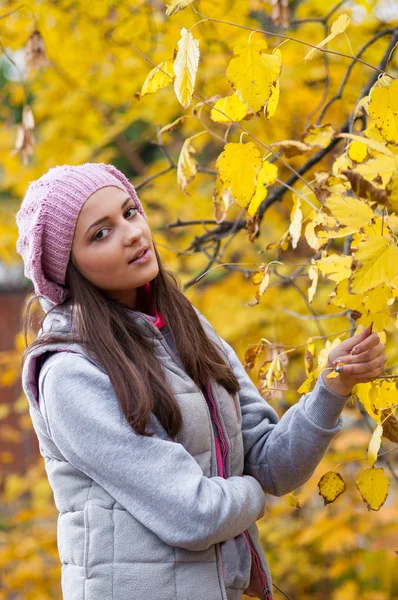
x: 154, y: 479
x: 283, y: 454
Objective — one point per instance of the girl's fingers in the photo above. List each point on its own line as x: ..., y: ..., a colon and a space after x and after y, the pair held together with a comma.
x: 369, y: 376
x: 365, y: 356
x: 372, y: 340
x: 365, y: 368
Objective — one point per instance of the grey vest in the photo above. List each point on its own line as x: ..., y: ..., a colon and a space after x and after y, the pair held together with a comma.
x: 106, y: 553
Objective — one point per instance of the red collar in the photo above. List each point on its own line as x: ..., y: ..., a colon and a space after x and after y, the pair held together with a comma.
x: 146, y: 305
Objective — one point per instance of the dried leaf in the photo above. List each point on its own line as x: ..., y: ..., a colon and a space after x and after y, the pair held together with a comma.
x: 390, y: 425
x: 373, y: 486
x: 187, y: 166
x: 363, y: 188
x: 331, y: 486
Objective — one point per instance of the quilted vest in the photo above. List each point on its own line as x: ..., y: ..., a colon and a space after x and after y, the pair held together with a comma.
x: 92, y: 526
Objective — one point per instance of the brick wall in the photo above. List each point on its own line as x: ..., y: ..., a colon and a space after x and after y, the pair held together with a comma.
x: 25, y: 451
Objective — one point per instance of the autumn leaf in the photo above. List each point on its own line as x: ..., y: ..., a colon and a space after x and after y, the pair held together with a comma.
x: 350, y: 212
x: 336, y: 267
x: 369, y: 142
x: 291, y: 148
x: 390, y: 425
x: 374, y: 444
x: 313, y: 273
x: 331, y: 486
x: 176, y: 5
x: 357, y: 151
x: 271, y: 104
x: 222, y: 200
x: 338, y: 26
x: 266, y: 176
x: 185, y: 67
x: 376, y: 262
x: 230, y: 105
x: 364, y: 188
x: 319, y: 136
x: 383, y: 108
x: 158, y: 78
x: 296, y: 219
x: 187, y: 166
x: 252, y: 73
x: 238, y: 166
x: 373, y: 486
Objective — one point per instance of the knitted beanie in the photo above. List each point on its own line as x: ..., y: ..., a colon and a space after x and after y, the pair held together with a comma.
x: 47, y: 219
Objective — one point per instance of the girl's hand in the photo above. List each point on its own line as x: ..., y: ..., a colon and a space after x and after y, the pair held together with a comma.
x: 363, y: 357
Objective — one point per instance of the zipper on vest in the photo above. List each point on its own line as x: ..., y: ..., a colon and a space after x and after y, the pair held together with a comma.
x: 224, y: 445
x: 267, y: 592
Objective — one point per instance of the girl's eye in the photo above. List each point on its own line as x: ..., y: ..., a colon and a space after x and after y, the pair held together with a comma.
x: 98, y: 239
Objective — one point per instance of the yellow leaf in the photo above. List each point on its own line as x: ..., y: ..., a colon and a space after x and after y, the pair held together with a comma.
x: 175, y: 6
x: 313, y: 275
x: 238, y: 166
x: 231, y: 106
x: 374, y: 444
x: 185, y: 67
x: 157, y: 79
x: 318, y: 136
x: 187, y: 166
x: 332, y: 374
x: 222, y: 200
x: 338, y: 26
x: 266, y: 176
x: 373, y: 144
x: 383, y: 108
x: 373, y: 487
x: 376, y: 261
x: 357, y: 151
x: 351, y: 212
x: 272, y: 102
x: 392, y: 191
x: 308, y: 384
x: 382, y: 167
x: 252, y: 73
x: 296, y: 218
x: 171, y: 126
x: 331, y: 486
x: 336, y: 267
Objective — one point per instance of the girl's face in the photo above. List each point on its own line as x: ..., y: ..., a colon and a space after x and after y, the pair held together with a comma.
x: 109, y: 233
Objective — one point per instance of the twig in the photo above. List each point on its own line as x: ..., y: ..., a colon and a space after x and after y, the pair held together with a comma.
x: 338, y: 94
x: 287, y: 37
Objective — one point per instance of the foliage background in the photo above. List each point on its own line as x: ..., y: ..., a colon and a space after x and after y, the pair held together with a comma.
x: 86, y: 105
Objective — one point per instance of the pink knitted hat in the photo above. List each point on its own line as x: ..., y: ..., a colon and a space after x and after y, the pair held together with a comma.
x: 47, y: 218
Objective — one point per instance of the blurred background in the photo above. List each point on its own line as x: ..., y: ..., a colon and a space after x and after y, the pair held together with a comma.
x: 71, y: 77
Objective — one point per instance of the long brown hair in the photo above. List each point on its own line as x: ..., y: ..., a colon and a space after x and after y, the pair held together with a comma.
x: 104, y: 328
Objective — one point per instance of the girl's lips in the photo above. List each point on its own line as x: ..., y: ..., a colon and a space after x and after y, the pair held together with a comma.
x: 144, y: 258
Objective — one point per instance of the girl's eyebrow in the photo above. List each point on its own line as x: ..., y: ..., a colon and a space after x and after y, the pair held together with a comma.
x: 105, y: 218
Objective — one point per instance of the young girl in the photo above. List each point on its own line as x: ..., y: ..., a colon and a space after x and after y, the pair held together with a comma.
x: 157, y: 445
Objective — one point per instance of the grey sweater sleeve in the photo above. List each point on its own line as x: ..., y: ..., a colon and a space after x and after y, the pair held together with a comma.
x: 155, y: 479
x: 283, y: 454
